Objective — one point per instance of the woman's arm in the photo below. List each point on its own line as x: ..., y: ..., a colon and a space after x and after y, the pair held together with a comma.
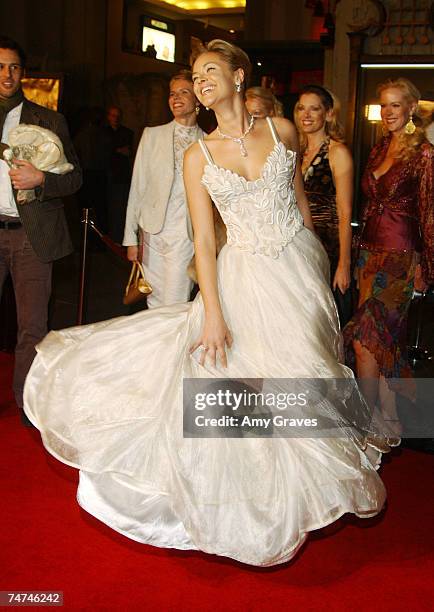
x: 288, y: 135
x: 135, y: 197
x: 341, y: 164
x: 215, y: 334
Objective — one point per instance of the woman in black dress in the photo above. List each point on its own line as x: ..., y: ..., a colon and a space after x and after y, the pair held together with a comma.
x: 327, y: 169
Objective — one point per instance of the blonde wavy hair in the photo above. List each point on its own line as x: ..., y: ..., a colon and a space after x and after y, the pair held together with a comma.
x: 267, y: 95
x: 333, y: 127
x: 409, y: 143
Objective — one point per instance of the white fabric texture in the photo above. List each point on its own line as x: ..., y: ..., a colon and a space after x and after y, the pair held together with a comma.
x: 167, y: 254
x: 7, y: 201
x: 107, y: 397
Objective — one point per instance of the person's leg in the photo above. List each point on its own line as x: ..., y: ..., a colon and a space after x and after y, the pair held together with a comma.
x: 380, y: 399
x: 389, y: 414
x: 32, y: 285
x: 154, y: 265
x: 177, y: 284
x: 367, y: 373
x: 4, y: 256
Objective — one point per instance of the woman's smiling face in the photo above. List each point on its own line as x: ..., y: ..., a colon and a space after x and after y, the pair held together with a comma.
x: 395, y: 109
x: 213, y: 78
x: 311, y: 114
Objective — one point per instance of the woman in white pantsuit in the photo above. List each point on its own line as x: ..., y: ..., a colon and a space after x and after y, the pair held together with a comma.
x: 157, y: 212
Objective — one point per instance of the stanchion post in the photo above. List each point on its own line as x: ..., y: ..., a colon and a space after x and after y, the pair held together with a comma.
x: 83, y: 258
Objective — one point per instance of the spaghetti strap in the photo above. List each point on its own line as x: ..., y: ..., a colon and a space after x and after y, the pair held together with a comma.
x: 206, y: 152
x: 273, y: 130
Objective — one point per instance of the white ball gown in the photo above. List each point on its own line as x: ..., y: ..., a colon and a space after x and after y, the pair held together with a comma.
x: 107, y: 397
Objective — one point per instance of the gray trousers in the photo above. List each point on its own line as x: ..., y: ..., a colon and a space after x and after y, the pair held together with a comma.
x: 31, y: 280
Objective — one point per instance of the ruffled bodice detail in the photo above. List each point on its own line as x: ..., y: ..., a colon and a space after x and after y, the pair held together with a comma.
x: 261, y: 216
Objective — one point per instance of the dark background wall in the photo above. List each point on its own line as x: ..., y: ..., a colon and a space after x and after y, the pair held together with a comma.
x: 95, y: 44
x: 67, y: 36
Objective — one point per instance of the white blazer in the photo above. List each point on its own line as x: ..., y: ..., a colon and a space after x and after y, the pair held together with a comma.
x: 153, y: 175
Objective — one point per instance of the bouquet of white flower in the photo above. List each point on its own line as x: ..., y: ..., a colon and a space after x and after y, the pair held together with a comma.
x: 40, y: 147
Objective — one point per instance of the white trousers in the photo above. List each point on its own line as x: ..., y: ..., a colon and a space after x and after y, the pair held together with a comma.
x: 166, y: 256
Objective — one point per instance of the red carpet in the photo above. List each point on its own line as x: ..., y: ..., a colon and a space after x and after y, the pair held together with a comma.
x: 48, y: 543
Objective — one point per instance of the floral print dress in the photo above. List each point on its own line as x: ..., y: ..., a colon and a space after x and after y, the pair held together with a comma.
x: 398, y: 233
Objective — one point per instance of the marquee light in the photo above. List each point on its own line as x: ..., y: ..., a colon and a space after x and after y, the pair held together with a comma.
x: 205, y: 5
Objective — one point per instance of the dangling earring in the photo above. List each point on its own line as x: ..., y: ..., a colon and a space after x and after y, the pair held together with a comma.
x: 206, y: 108
x: 197, y: 110
x: 238, y: 87
x: 410, y: 128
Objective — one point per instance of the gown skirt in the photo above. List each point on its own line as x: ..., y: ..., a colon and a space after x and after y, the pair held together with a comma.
x: 107, y: 399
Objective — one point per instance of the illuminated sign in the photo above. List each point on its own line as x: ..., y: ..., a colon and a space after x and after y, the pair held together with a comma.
x: 162, y: 42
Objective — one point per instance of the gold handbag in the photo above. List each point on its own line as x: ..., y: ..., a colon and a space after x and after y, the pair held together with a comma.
x: 137, y: 287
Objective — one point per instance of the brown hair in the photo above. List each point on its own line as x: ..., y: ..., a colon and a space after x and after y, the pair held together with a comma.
x: 330, y: 102
x: 266, y: 94
x: 232, y: 55
x: 12, y: 45
x: 409, y: 143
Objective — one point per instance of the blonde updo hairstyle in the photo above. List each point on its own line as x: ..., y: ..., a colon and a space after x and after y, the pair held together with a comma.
x: 409, y: 143
x: 232, y: 55
x: 333, y: 127
x: 269, y: 98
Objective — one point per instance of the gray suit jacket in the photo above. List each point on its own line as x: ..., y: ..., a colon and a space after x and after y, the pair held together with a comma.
x: 44, y: 219
x: 151, y: 184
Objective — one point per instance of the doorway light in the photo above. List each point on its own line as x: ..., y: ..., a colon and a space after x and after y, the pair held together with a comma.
x: 373, y: 112
x: 400, y: 66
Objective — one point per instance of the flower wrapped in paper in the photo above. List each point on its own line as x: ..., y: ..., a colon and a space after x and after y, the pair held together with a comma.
x: 40, y: 147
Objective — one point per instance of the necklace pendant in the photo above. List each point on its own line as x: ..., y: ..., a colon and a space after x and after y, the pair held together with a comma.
x: 240, y: 139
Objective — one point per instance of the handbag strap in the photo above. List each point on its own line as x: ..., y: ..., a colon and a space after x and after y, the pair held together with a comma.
x: 140, y: 271
x: 130, y: 280
x: 136, y: 271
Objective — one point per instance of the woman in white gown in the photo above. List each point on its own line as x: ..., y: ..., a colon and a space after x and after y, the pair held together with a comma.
x: 107, y: 397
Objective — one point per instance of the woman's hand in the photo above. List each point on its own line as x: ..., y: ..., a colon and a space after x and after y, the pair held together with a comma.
x: 419, y: 284
x: 342, y: 278
x: 133, y: 253
x: 213, y: 340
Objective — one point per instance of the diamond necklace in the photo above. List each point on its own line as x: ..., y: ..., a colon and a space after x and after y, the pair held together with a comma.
x: 240, y: 139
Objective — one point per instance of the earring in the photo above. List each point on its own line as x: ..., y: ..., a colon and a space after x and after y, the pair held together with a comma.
x: 410, y: 127
x: 206, y: 108
x: 238, y: 87
x: 197, y: 109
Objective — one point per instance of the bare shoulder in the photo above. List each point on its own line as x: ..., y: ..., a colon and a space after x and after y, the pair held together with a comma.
x: 194, y: 159
x: 286, y: 129
x: 193, y: 153
x: 339, y: 153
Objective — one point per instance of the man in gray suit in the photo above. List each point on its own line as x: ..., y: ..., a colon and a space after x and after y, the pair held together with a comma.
x: 34, y: 234
x: 157, y: 213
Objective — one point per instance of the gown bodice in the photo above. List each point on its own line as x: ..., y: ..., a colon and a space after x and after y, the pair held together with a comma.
x: 261, y: 216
